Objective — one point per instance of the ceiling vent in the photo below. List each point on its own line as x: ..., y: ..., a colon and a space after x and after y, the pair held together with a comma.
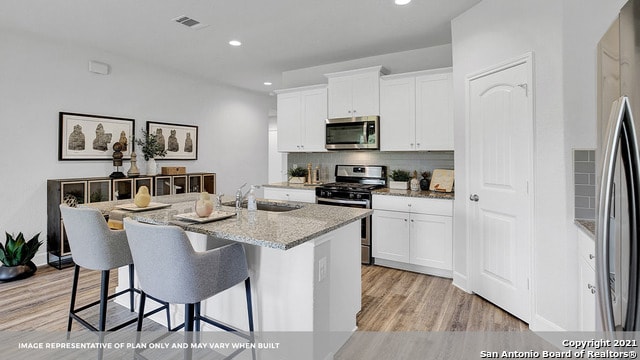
x: 189, y: 22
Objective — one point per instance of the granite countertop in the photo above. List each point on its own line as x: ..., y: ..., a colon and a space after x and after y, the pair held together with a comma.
x: 419, y: 194
x: 589, y: 226
x: 383, y: 191
x: 280, y: 230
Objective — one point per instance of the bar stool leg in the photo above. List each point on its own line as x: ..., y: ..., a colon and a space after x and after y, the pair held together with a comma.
x: 247, y: 288
x: 188, y: 317
x: 131, y: 291
x: 104, y: 289
x: 143, y: 298
x: 74, y: 290
x: 197, y: 317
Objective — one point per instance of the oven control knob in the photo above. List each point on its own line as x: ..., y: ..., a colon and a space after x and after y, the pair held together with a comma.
x: 351, y: 195
x: 359, y: 196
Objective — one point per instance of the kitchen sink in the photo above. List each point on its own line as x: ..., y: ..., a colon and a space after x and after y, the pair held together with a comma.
x: 268, y: 206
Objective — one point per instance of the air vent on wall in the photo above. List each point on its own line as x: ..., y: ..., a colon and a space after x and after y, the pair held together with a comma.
x: 189, y: 22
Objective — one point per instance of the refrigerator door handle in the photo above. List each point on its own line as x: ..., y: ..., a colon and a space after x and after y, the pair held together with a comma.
x: 621, y: 134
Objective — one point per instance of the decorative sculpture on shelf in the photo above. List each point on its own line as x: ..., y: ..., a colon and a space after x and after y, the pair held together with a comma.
x: 117, y: 161
x: 133, y: 170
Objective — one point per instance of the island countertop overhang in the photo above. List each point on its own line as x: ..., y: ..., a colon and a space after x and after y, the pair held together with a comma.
x: 279, y: 230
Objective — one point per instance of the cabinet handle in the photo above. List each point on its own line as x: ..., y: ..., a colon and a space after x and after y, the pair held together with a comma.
x: 349, y: 111
x: 592, y: 288
x: 405, y: 220
x: 474, y: 197
x: 591, y: 256
x: 411, y: 144
x: 411, y: 220
x: 409, y: 205
x: 417, y: 144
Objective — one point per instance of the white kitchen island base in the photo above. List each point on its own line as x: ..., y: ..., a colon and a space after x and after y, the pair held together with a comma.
x: 312, y: 287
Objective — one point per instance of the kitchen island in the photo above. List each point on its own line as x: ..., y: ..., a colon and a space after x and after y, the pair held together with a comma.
x: 304, y: 264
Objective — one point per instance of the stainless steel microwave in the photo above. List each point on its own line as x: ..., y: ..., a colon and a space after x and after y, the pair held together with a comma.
x: 353, y: 133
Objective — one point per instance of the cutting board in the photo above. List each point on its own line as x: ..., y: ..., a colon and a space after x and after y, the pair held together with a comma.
x: 441, y: 180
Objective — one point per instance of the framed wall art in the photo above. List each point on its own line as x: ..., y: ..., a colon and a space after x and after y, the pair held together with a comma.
x: 91, y: 137
x: 180, y: 141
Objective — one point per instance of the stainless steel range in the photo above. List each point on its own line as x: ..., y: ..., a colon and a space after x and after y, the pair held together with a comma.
x: 353, y: 187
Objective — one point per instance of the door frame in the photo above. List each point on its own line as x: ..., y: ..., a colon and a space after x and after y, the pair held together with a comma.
x: 528, y: 60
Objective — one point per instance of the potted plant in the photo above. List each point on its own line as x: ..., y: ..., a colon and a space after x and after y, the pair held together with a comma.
x: 151, y: 148
x: 16, y: 255
x: 399, y: 179
x: 297, y: 175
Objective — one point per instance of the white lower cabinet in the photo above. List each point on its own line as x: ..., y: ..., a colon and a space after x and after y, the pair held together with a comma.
x: 390, y: 235
x: 587, y: 282
x: 431, y: 241
x: 287, y: 194
x: 413, y: 234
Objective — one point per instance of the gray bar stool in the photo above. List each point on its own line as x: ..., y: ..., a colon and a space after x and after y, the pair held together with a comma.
x: 96, y: 247
x: 170, y: 270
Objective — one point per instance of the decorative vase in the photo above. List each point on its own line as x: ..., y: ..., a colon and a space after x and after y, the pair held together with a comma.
x: 415, y: 184
x: 142, y: 198
x: 424, y: 184
x: 399, y: 185
x: 204, y: 206
x: 152, y: 168
x: 10, y: 273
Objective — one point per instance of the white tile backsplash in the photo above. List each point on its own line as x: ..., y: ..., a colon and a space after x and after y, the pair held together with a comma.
x: 405, y: 160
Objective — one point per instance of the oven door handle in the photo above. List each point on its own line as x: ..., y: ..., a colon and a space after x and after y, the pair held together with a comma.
x: 345, y: 202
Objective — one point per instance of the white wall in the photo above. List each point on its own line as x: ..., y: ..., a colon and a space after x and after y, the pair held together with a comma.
x: 400, y: 62
x: 39, y: 78
x: 562, y: 36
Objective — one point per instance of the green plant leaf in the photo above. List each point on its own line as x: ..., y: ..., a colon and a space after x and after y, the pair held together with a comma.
x: 17, y: 251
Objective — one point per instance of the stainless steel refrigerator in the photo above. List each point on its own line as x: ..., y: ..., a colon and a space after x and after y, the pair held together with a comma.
x: 618, y: 174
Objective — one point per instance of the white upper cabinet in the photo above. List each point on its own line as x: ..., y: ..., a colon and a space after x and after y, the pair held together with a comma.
x: 354, y: 93
x: 416, y: 111
x: 397, y: 114
x: 301, y: 119
x: 434, y: 112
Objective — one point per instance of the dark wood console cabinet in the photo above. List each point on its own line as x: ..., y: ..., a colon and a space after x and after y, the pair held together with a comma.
x: 89, y: 190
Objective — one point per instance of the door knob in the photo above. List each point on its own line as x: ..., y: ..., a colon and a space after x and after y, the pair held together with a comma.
x: 474, y: 197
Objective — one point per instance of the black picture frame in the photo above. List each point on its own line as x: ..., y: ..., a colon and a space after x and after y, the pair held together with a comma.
x: 91, y: 137
x: 181, y: 141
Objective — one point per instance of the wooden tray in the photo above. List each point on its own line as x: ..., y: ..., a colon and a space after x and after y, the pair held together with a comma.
x: 215, y: 216
x: 134, y: 207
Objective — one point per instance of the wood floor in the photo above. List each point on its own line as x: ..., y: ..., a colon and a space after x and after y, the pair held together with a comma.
x: 392, y: 300
x: 396, y: 300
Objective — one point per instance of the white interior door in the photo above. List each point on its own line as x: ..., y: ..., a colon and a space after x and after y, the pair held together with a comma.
x: 500, y: 170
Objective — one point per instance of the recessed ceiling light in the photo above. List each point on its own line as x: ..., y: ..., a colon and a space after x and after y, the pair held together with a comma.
x: 268, y: 83
x: 402, y: 2
x: 235, y: 43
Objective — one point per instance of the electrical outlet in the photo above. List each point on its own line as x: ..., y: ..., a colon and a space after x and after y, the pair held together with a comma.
x: 322, y: 269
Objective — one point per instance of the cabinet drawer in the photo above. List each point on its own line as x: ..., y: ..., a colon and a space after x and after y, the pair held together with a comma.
x: 414, y: 205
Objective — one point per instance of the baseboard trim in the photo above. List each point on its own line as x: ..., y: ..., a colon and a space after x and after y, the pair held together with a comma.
x: 415, y: 268
x: 461, y: 282
x: 540, y: 324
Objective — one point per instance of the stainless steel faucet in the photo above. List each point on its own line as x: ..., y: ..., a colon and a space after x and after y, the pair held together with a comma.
x: 239, y: 198
x: 218, y: 199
